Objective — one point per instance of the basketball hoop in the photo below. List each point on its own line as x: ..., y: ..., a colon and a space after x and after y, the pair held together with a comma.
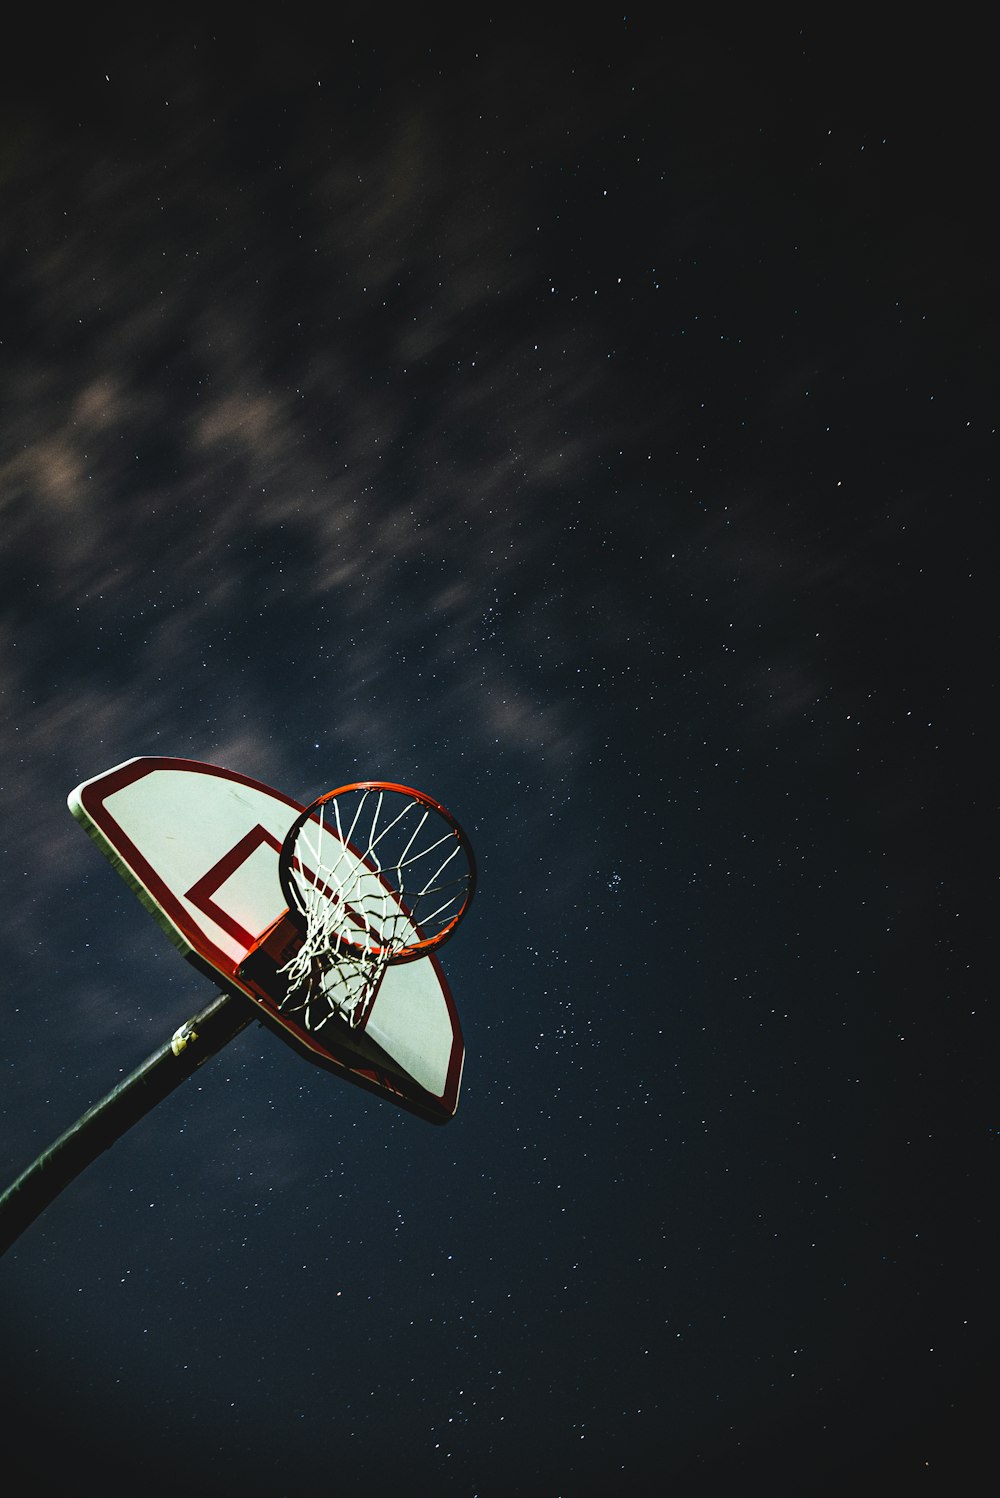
x: 373, y: 874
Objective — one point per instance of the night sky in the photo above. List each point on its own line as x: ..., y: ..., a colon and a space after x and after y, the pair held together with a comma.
x: 593, y: 428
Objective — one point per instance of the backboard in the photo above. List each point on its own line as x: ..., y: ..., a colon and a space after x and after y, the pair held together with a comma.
x: 199, y: 845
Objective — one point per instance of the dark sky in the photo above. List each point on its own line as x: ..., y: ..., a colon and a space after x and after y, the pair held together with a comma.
x: 593, y: 427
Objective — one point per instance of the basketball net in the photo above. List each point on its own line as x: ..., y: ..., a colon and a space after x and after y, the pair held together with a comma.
x: 374, y: 874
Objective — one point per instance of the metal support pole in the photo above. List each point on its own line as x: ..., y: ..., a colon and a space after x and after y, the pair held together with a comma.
x: 187, y: 1049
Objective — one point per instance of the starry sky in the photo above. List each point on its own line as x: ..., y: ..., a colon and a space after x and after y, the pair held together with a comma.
x: 595, y: 430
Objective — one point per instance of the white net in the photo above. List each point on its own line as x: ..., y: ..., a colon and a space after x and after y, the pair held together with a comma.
x: 378, y: 874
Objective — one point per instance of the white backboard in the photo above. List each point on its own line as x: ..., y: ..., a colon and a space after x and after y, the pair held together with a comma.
x: 199, y: 845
